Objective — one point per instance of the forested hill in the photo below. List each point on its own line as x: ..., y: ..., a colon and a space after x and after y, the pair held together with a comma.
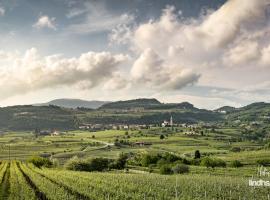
x: 29, y: 117
x: 255, y: 112
x: 138, y: 111
x: 150, y: 104
x: 131, y: 104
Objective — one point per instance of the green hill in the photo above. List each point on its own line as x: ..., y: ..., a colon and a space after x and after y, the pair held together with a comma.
x: 138, y: 111
x: 29, y: 117
x: 255, y: 112
x: 74, y: 103
x: 131, y: 104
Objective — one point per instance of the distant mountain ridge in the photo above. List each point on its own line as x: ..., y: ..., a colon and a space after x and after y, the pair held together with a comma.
x: 130, y: 104
x: 145, y: 104
x: 74, y: 103
x: 63, y: 114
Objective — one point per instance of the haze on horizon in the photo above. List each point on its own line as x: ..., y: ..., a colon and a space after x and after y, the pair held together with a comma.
x: 209, y: 53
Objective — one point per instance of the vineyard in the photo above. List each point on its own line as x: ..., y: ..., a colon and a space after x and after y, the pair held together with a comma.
x: 24, y: 181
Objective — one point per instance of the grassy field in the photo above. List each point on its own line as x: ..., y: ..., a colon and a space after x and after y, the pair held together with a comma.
x: 56, y: 184
x: 200, y: 183
x: 21, y: 145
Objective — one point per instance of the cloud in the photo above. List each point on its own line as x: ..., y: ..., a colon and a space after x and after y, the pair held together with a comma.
x: 120, y: 35
x: 173, y: 52
x: 96, y: 18
x: 151, y: 69
x: 224, y: 25
x: 45, y: 21
x: 244, y: 52
x: 30, y: 71
x: 116, y: 82
x: 2, y: 11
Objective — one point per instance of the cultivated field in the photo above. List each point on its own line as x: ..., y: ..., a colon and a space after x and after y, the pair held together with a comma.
x: 34, y: 183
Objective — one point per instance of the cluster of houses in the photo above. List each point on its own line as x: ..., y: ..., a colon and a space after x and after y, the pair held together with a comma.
x: 165, y: 123
x: 98, y: 127
x: 48, y: 133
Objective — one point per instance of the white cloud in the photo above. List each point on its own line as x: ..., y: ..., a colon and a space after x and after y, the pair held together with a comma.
x: 45, y: 21
x: 2, y: 11
x: 96, y: 18
x: 243, y: 52
x: 30, y: 72
x: 117, y: 82
x: 224, y: 25
x: 151, y: 69
x: 229, y: 42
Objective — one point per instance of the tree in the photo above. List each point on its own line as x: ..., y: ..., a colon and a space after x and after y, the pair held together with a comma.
x: 197, y: 154
x: 121, y: 161
x: 161, y: 137
x: 40, y: 161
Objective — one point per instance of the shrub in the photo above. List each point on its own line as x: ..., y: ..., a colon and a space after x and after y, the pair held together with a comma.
x: 165, y: 169
x: 207, y: 162
x: 95, y: 164
x: 197, y: 154
x: 162, y: 162
x: 77, y: 164
x: 120, y: 163
x: 219, y: 163
x: 148, y: 159
x: 98, y: 164
x: 186, y: 161
x: 264, y: 162
x: 210, y: 162
x: 180, y: 169
x: 40, y: 161
x: 170, y: 157
x: 195, y: 162
x: 235, y: 149
x: 161, y: 137
x: 236, y: 164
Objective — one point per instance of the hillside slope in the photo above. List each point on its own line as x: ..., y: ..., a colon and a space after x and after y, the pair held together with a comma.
x: 74, y: 103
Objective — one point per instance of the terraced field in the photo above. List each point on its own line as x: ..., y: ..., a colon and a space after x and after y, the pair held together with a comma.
x: 24, y: 181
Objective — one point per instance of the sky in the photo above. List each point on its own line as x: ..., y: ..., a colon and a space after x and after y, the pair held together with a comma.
x: 210, y: 53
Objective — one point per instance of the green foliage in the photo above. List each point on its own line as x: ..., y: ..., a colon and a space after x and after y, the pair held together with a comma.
x: 77, y: 164
x: 212, y: 162
x: 264, y: 162
x: 180, y: 169
x: 161, y: 137
x: 119, y: 163
x: 197, y: 154
x: 236, y: 164
x: 40, y: 161
x: 165, y: 169
x: 96, y: 164
x: 148, y: 159
x: 235, y: 149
